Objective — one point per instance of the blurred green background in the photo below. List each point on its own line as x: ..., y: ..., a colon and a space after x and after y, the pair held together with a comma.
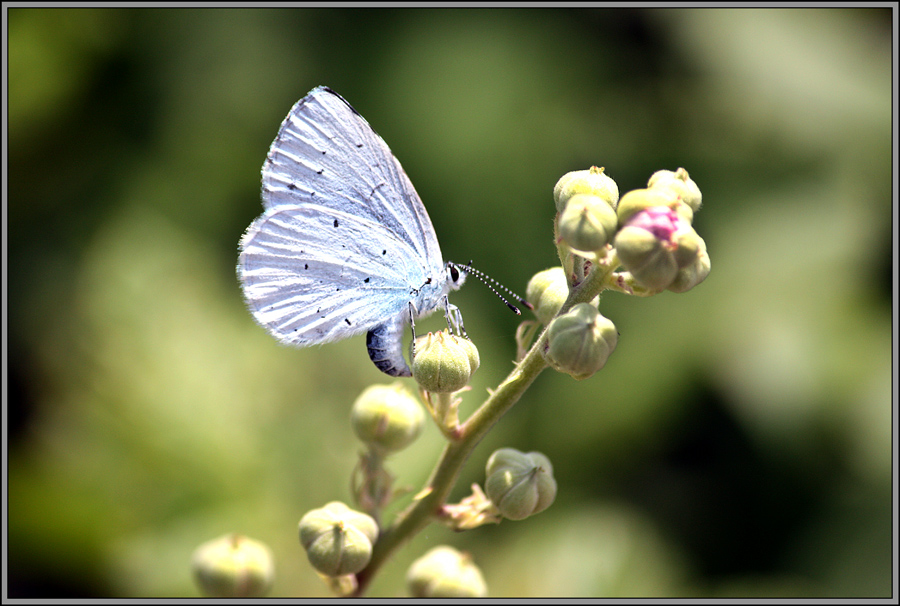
x: 738, y: 443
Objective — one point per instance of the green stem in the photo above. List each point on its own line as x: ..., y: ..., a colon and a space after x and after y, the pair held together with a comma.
x: 422, y: 511
x: 408, y: 523
x: 445, y: 414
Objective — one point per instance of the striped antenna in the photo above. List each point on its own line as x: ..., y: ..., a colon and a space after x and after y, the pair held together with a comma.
x: 489, y: 282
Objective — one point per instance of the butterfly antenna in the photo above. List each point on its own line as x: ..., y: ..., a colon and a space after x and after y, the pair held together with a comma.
x: 490, y: 282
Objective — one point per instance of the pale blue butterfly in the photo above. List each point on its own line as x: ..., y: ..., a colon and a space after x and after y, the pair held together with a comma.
x: 345, y: 245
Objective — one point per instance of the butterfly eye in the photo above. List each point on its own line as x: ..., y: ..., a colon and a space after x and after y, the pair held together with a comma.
x: 454, y: 273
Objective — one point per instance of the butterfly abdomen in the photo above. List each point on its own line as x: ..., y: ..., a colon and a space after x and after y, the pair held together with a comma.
x: 385, y: 346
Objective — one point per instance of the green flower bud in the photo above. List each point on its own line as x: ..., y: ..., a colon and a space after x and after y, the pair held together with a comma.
x: 233, y: 566
x: 647, y: 258
x: 592, y: 181
x: 655, y: 245
x: 641, y: 199
x: 547, y: 291
x: 519, y: 484
x: 694, y: 273
x: 387, y: 417
x: 680, y: 184
x: 444, y: 363
x: 444, y: 572
x: 337, y: 539
x: 472, y: 352
x: 587, y: 224
x: 687, y: 245
x: 580, y: 341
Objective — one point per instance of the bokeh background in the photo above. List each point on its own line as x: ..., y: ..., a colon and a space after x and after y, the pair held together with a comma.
x: 738, y: 443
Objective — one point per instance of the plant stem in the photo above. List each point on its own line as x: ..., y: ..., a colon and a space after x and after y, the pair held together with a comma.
x: 421, y: 512
x: 408, y: 523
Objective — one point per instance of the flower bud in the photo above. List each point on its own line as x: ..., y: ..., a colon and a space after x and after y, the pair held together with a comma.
x: 694, y: 273
x: 519, y: 484
x: 587, y: 224
x: 233, y: 566
x: 472, y: 352
x: 580, y: 341
x: 337, y: 540
x: 655, y: 244
x: 444, y: 363
x: 680, y: 184
x: 592, y: 181
x: 387, y: 417
x: 444, y: 572
x: 641, y: 199
x: 547, y: 291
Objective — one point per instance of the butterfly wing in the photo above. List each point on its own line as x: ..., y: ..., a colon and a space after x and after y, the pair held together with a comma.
x: 314, y: 275
x: 327, y: 153
x: 344, y: 241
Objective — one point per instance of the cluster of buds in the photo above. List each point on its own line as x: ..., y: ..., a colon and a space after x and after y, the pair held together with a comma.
x: 646, y: 232
x: 649, y: 228
x: 656, y: 242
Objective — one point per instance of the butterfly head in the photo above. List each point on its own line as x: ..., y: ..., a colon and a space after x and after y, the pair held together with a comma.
x: 455, y: 275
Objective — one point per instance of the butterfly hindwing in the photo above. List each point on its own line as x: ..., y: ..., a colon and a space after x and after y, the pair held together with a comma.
x: 311, y: 277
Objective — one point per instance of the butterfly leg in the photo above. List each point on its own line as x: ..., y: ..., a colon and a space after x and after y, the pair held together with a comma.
x: 412, y: 327
x: 412, y: 322
x: 454, y: 318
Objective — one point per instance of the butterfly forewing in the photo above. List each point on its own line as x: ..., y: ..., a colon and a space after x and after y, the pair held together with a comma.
x: 325, y: 152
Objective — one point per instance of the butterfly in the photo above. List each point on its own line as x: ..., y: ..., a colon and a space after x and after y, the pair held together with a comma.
x: 345, y: 245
